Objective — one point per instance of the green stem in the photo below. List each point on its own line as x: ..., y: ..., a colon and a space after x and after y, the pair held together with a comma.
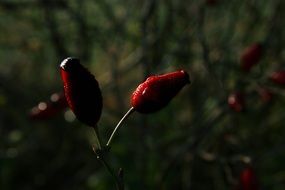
x: 97, y: 136
x: 129, y: 112
x: 100, y: 157
x: 110, y: 170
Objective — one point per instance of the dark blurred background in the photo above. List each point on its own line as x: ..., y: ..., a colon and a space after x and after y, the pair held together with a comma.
x: 197, y: 142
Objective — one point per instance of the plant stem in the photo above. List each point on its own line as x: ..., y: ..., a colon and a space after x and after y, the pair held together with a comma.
x: 97, y: 136
x: 100, y: 157
x: 129, y: 112
x: 110, y: 170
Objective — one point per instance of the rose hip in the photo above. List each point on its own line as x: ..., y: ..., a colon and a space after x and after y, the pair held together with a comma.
x: 157, y: 91
x: 236, y: 101
x: 251, y: 56
x: 81, y: 91
x: 278, y: 77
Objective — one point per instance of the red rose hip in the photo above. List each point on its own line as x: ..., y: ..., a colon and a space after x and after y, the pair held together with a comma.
x: 81, y: 91
x: 211, y: 2
x: 251, y: 56
x: 236, y: 101
x: 265, y: 94
x: 248, y: 180
x: 278, y: 77
x: 47, y: 110
x: 157, y: 91
x: 154, y: 94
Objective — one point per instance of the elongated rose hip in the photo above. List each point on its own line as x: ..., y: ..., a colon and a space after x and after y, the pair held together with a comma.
x: 154, y: 94
x: 48, y: 109
x: 278, y: 77
x: 248, y: 179
x: 157, y: 91
x: 236, y: 101
x: 211, y: 2
x: 251, y: 56
x: 265, y: 94
x: 81, y: 91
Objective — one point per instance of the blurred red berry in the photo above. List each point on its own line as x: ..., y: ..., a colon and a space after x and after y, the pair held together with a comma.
x: 82, y: 91
x: 251, y: 56
x: 211, y: 2
x: 157, y: 91
x: 47, y: 110
x: 248, y: 180
x: 265, y: 94
x: 278, y: 77
x: 236, y: 101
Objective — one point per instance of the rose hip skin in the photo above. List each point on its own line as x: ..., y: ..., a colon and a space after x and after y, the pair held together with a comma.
x: 157, y: 91
x: 81, y: 91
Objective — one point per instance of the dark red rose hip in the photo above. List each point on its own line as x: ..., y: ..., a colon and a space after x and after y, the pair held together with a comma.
x: 154, y: 94
x: 265, y: 94
x: 47, y: 110
x: 81, y: 91
x: 157, y: 91
x: 248, y: 179
x: 211, y: 2
x: 251, y: 56
x: 236, y: 101
x: 278, y: 77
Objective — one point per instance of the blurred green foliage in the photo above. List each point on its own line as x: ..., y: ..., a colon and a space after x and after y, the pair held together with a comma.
x: 196, y: 142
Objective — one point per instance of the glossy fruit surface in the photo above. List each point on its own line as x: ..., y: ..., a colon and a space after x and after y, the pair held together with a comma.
x: 157, y: 91
x: 251, y: 56
x: 81, y: 91
x: 236, y: 101
x: 278, y: 77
